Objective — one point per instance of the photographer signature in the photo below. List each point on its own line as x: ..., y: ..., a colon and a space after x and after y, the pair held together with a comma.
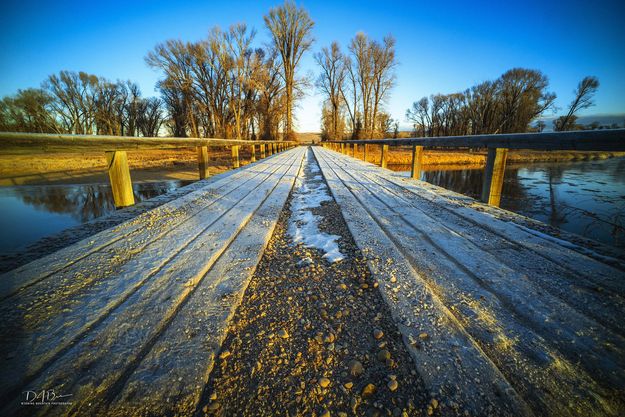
x: 45, y: 397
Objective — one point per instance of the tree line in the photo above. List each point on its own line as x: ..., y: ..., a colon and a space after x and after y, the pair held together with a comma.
x: 81, y: 103
x: 508, y: 104
x: 222, y: 86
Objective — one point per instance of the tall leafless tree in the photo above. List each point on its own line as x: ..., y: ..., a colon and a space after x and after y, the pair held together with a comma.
x: 584, y: 94
x: 291, y: 31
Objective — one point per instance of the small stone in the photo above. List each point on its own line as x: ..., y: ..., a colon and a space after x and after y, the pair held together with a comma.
x: 378, y: 334
x: 283, y: 334
x: 392, y: 385
x: 368, y: 390
x: 355, y: 368
x: 213, y: 406
x: 329, y: 338
x: 342, y: 414
x: 384, y: 355
x: 325, y: 413
x: 348, y: 385
x: 324, y: 382
x: 434, y: 403
x: 213, y: 396
x: 224, y: 354
x: 430, y: 410
x: 423, y: 336
x: 393, y: 280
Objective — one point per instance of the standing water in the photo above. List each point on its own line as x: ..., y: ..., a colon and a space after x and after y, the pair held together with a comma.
x: 31, y: 212
x: 586, y: 198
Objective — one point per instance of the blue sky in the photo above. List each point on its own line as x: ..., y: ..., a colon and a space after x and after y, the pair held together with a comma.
x: 442, y: 46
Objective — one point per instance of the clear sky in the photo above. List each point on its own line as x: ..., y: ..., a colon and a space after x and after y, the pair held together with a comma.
x: 442, y: 46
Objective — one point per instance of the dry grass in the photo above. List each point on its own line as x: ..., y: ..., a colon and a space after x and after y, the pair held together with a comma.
x: 403, y: 156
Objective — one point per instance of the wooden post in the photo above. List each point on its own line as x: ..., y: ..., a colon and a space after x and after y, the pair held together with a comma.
x: 493, y: 175
x: 119, y: 175
x: 355, y: 149
x: 253, y: 151
x: 235, y: 156
x: 262, y: 152
x: 202, y: 161
x: 343, y: 148
x: 417, y: 161
x: 383, y: 156
x: 364, y: 158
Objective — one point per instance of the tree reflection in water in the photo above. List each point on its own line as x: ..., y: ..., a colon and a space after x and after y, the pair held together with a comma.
x: 87, y: 201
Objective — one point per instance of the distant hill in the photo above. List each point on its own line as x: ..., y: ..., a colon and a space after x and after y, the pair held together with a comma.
x: 602, y: 119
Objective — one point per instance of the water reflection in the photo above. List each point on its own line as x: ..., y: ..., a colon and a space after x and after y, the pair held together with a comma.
x: 32, y: 212
x: 587, y: 197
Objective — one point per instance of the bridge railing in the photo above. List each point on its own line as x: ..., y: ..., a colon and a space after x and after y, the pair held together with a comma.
x: 115, y: 148
x: 497, y: 146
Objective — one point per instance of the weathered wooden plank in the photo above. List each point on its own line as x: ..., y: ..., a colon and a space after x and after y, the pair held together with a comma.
x: 29, y: 143
x: 177, y: 368
x: 449, y: 359
x: 533, y: 375
x: 50, y: 336
x: 545, y: 313
x: 161, y: 219
x: 580, y: 140
x: 119, y: 176
x: 574, y: 288
x: 96, y: 368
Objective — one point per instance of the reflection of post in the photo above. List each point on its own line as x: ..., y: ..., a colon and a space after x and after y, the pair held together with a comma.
x: 253, y: 152
x: 493, y: 176
x: 383, y: 156
x: 417, y: 159
x: 119, y: 175
x: 343, y: 148
x: 202, y: 161
x: 235, y: 156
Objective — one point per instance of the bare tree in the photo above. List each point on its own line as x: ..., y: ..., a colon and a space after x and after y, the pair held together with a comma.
x: 28, y: 111
x: 330, y: 82
x: 584, y: 94
x: 291, y: 31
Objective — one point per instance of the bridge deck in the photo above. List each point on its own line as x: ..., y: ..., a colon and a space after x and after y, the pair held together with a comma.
x: 497, y: 316
x: 137, y: 312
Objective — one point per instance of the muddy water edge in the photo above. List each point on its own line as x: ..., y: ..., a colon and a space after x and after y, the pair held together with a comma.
x: 313, y: 337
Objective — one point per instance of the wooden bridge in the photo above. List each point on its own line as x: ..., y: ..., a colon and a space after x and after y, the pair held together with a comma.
x: 499, y: 317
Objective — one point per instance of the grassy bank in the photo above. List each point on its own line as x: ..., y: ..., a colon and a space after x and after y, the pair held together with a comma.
x: 403, y: 156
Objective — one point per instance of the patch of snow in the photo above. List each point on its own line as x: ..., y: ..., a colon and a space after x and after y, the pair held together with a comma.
x: 303, y: 224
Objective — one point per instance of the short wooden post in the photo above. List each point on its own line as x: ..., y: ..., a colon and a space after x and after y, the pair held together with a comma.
x: 343, y: 148
x: 253, y: 152
x: 235, y: 156
x: 262, y: 151
x: 202, y: 161
x: 417, y: 161
x: 355, y: 149
x: 119, y: 176
x: 383, y: 156
x: 493, y: 175
x: 364, y: 158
